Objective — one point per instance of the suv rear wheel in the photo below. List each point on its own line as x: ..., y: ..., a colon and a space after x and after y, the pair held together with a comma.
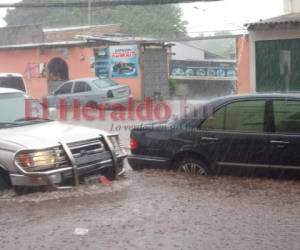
x: 192, y: 166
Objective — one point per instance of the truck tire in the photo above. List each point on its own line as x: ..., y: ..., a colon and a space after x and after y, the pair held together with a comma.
x: 20, y: 190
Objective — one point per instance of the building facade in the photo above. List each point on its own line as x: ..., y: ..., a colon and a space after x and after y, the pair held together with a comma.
x: 274, y: 47
x: 269, y: 56
x: 141, y: 64
x: 198, y: 73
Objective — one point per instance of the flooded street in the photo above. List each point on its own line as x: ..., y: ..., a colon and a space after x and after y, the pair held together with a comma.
x: 156, y: 209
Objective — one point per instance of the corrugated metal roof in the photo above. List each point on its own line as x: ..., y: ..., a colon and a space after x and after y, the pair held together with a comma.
x: 62, y: 29
x: 123, y: 39
x: 38, y: 45
x: 89, y: 41
x: 292, y: 18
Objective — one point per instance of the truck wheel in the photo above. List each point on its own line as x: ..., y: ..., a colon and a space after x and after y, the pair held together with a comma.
x: 20, y: 190
x: 109, y: 173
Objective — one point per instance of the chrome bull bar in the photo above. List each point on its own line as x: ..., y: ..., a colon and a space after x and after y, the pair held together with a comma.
x: 74, y: 164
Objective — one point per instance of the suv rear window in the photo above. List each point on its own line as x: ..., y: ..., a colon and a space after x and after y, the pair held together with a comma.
x: 12, y: 82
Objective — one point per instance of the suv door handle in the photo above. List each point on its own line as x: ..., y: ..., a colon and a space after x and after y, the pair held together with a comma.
x: 280, y: 142
x: 212, y: 139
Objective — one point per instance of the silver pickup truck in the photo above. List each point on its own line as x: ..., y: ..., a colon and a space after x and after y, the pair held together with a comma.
x: 41, y: 152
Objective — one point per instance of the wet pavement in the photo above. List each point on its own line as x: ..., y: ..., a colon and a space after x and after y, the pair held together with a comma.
x: 156, y: 209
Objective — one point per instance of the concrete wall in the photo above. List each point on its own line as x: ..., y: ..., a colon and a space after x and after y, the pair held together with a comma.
x: 154, y: 65
x: 21, y: 34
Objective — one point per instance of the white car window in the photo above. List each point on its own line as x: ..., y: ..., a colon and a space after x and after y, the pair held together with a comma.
x: 81, y: 87
x: 65, y: 89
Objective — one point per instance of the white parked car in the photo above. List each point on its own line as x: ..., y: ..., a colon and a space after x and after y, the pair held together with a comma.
x: 90, y: 91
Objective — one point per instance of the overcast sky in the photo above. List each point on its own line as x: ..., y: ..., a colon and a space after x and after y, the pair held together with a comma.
x: 211, y: 16
x: 228, y: 14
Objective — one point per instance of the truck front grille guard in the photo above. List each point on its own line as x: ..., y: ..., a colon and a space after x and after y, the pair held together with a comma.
x: 74, y: 165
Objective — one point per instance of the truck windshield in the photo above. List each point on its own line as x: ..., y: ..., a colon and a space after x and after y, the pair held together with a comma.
x: 13, y: 110
x: 12, y: 82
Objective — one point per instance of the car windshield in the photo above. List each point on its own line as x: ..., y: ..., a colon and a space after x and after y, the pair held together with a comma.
x: 104, y: 83
x: 13, y: 110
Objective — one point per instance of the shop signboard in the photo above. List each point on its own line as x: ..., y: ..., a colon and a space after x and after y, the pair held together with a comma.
x: 123, y: 61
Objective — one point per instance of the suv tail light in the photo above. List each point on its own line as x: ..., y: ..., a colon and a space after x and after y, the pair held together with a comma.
x: 133, y: 144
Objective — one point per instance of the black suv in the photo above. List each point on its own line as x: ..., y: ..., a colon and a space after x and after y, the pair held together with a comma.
x: 259, y: 131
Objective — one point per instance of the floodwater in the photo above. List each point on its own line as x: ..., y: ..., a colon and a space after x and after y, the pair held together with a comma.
x: 156, y: 209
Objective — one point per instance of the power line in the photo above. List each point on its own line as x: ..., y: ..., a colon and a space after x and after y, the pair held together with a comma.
x: 97, y: 3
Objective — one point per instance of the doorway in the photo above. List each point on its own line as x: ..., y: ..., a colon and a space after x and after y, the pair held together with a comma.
x: 58, y: 72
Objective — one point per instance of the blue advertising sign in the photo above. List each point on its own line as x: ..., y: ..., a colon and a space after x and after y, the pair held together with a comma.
x: 124, y: 61
x: 101, y: 63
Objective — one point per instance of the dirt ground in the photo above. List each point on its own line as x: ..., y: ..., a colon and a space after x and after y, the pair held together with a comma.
x: 156, y: 209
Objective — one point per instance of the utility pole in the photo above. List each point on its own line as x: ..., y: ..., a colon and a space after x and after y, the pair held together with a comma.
x: 89, y: 12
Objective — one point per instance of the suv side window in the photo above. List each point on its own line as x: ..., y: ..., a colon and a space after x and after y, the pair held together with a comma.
x: 244, y: 116
x: 215, y: 122
x: 286, y: 116
x: 81, y: 87
x: 65, y: 89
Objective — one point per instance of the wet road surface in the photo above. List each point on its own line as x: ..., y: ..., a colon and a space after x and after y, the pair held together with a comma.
x: 156, y: 209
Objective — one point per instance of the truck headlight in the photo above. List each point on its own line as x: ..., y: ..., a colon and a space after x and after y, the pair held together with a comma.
x: 36, y: 160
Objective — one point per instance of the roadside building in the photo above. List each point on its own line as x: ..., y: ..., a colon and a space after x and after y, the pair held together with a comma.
x: 274, y: 46
x: 200, y: 73
x: 58, y: 55
x: 270, y: 54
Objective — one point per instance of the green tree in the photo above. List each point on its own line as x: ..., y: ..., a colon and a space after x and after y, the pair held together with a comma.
x: 160, y: 21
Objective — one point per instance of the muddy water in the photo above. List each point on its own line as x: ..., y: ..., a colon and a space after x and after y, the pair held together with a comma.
x: 157, y: 210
